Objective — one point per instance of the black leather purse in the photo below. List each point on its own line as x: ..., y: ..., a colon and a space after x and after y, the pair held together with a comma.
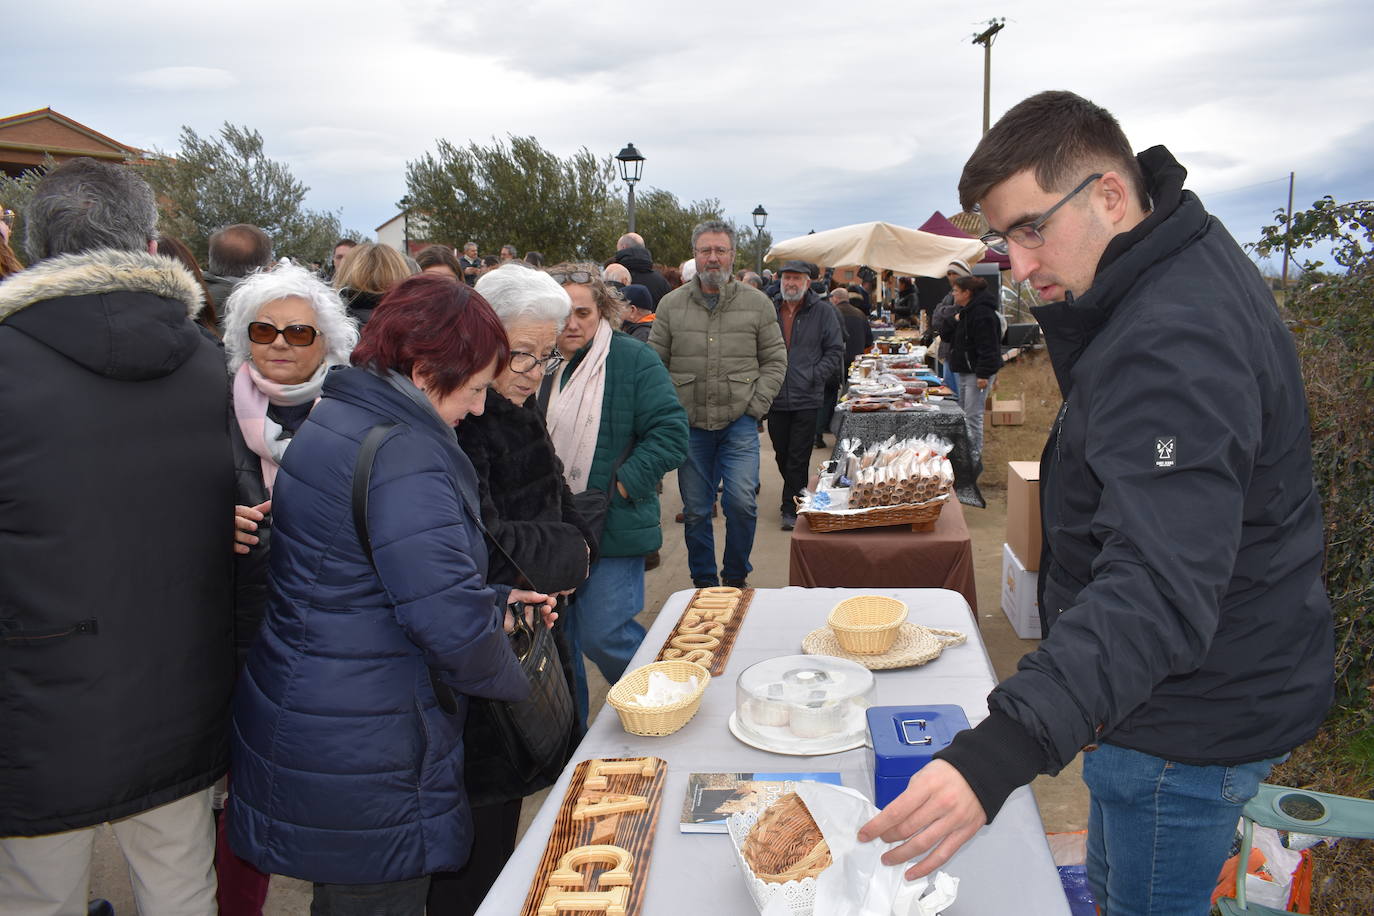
x: 532, y: 736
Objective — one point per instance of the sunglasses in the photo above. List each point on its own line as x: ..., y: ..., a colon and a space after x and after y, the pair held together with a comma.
x: 297, y: 335
x: 572, y: 276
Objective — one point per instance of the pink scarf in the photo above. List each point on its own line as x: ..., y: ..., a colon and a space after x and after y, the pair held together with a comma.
x: 575, y: 418
x: 252, y: 394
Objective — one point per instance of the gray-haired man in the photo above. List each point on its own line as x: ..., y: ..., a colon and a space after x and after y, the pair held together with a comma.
x: 115, y: 635
x: 724, y: 351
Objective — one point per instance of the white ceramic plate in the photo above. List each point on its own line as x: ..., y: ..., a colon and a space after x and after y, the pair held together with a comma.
x: 799, y: 747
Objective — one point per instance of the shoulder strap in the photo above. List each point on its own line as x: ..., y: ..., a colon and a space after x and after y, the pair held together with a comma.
x: 362, y: 479
x: 545, y: 387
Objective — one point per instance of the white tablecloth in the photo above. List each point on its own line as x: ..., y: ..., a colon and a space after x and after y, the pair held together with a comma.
x: 1005, y: 868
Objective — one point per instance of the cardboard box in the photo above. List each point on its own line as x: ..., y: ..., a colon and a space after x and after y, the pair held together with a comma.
x: 1023, y: 511
x: 1008, y: 411
x: 1019, y: 595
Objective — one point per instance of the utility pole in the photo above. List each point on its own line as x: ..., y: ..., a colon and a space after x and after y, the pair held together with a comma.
x: 985, y: 38
x: 1288, y: 234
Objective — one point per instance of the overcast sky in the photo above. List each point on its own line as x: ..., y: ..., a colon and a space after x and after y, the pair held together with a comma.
x: 826, y: 113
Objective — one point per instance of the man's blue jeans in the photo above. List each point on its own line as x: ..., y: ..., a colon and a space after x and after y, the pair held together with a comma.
x: 1158, y: 831
x: 731, y: 456
x: 601, y: 622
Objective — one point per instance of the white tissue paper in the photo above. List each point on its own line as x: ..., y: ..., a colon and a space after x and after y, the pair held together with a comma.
x: 664, y: 691
x: 858, y: 883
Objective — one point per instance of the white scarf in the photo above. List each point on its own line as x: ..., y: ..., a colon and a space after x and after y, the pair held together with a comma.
x: 575, y: 418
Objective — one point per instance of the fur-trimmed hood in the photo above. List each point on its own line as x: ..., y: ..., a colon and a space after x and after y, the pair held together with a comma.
x: 122, y: 314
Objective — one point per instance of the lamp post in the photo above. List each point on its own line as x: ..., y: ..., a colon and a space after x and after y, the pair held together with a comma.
x: 760, y: 220
x: 631, y: 169
x: 405, y: 230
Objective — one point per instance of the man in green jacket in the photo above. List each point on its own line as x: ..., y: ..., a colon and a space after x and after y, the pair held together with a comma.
x: 724, y: 351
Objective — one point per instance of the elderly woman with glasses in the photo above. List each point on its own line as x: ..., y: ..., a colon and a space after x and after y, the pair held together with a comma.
x: 528, y: 508
x: 618, y: 427
x: 347, y: 739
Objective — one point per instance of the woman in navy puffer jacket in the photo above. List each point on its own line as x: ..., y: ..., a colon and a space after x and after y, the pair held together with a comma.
x: 348, y: 771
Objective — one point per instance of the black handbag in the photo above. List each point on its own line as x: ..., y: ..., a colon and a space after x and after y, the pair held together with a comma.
x: 531, y: 736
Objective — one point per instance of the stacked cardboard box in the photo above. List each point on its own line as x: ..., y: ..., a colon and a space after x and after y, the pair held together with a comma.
x: 1019, y: 595
x: 1023, y: 511
x: 1008, y: 411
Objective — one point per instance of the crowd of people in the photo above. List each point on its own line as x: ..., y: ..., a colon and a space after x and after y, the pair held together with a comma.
x: 264, y: 533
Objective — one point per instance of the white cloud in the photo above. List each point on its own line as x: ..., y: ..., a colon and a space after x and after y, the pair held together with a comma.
x: 184, y: 79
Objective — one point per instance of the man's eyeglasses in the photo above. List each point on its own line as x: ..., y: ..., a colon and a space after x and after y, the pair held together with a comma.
x: 718, y: 252
x: 297, y: 335
x: 1028, y: 235
x: 523, y: 362
x: 563, y: 278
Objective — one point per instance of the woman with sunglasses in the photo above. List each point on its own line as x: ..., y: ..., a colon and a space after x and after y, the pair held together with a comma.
x: 283, y: 329
x: 347, y: 739
x: 618, y: 427
x: 528, y: 508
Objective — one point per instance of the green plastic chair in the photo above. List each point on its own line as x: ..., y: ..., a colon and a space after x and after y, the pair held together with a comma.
x: 1300, y: 811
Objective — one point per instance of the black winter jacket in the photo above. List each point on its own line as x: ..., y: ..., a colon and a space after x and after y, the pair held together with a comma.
x: 977, y: 347
x: 640, y: 264
x: 528, y: 508
x: 1181, y: 584
x: 813, y: 356
x: 858, y: 335
x: 116, y: 497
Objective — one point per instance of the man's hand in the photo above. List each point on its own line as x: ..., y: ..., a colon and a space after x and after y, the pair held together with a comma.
x: 982, y: 384
x: 246, y: 520
x: 937, y: 812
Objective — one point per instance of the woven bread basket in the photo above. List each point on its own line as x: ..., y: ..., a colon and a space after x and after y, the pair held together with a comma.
x: 655, y: 721
x: 920, y: 516
x: 867, y: 624
x: 786, y: 844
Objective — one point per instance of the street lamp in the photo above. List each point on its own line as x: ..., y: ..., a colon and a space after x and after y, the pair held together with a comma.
x: 405, y: 230
x: 760, y: 220
x: 631, y: 168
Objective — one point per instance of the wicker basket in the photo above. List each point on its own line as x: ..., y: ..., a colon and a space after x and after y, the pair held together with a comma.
x: 920, y: 516
x: 786, y: 845
x: 867, y: 624
x: 655, y: 721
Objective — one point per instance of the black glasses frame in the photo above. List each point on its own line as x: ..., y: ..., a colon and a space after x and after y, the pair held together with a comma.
x: 549, y: 363
x: 297, y: 335
x: 1028, y: 235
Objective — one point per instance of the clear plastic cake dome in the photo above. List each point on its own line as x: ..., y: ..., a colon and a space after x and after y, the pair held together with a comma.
x: 803, y: 704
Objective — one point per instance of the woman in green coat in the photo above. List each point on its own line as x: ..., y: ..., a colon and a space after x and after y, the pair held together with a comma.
x: 612, y: 412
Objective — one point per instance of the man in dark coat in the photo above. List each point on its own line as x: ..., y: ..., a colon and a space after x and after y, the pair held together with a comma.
x: 631, y: 252
x: 639, y: 312
x: 116, y: 509
x: 1188, y: 635
x: 815, y: 347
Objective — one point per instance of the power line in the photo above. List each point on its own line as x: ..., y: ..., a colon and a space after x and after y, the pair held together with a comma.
x: 1244, y: 187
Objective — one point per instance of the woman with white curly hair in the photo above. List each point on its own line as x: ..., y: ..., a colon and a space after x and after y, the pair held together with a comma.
x: 283, y: 329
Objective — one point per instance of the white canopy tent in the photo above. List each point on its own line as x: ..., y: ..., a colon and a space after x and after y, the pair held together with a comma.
x: 882, y: 246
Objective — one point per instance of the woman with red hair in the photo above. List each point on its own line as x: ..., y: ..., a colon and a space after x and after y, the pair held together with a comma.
x: 348, y: 717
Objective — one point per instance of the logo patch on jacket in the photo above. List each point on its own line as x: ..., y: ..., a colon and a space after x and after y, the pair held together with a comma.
x: 1165, y: 447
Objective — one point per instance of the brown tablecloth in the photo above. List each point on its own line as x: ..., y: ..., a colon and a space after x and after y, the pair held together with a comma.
x: 890, y: 557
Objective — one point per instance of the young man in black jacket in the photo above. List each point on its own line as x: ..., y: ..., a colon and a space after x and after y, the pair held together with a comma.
x: 1188, y: 640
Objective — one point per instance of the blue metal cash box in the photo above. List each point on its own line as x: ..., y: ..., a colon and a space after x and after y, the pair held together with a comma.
x: 903, y: 740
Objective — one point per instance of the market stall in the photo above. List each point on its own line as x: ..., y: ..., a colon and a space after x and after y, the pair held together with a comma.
x: 1005, y: 868
x: 881, y: 246
x: 888, y: 557
x: 945, y: 420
